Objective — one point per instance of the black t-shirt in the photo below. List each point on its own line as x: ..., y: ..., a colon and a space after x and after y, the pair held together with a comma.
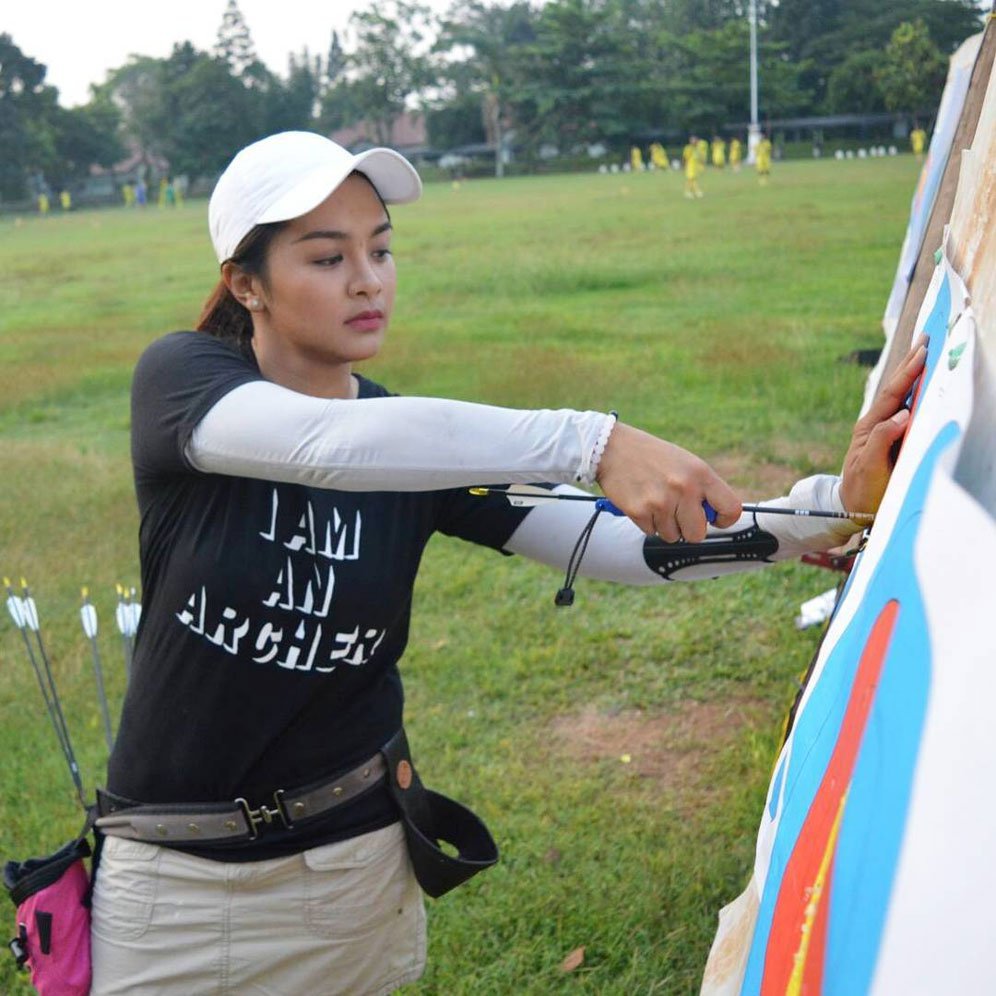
x: 273, y: 615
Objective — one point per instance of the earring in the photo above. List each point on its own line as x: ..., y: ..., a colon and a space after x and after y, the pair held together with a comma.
x: 254, y: 304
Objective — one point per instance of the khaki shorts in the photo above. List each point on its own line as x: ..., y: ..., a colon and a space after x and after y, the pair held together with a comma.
x: 345, y: 918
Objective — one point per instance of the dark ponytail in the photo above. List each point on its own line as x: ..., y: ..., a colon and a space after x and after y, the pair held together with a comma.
x: 222, y: 315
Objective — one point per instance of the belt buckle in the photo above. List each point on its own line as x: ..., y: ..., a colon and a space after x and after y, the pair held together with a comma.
x: 264, y: 815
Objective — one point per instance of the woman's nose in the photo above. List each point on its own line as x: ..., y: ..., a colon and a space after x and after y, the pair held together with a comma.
x: 365, y: 279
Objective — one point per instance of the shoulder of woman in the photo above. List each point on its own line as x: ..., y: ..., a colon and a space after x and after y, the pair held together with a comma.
x: 189, y: 356
x: 187, y: 345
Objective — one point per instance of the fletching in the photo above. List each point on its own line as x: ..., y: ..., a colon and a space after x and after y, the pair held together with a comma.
x: 30, y: 613
x: 88, y: 617
x: 16, y: 611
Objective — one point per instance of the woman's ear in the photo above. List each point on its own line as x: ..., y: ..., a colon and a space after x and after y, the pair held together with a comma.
x: 242, y: 286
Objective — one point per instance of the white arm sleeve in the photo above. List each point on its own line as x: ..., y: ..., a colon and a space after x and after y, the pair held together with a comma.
x: 265, y: 431
x: 615, y: 550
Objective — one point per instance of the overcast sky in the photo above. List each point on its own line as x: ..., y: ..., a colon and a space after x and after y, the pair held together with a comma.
x: 79, y: 42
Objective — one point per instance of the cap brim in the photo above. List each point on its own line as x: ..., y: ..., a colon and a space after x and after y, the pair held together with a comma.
x: 394, y: 178
x: 393, y: 175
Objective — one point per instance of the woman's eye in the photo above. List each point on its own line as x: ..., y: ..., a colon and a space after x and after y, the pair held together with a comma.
x: 382, y: 253
x: 328, y: 261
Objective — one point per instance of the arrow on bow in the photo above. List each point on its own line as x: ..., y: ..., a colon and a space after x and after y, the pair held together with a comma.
x: 530, y: 496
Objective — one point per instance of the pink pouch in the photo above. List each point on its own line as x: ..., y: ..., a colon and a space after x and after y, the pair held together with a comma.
x: 52, y: 896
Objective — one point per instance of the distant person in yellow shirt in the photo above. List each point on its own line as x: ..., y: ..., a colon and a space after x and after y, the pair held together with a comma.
x: 718, y: 152
x: 128, y: 194
x: 693, y: 168
x: 43, y: 203
x: 636, y: 159
x: 763, y: 160
x: 658, y: 156
x: 65, y: 200
x: 736, y: 154
x: 918, y: 140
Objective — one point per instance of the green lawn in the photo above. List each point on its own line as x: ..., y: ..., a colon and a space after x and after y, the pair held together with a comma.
x: 619, y: 750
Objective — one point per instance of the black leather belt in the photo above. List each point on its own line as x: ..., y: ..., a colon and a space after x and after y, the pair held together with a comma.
x: 236, y: 821
x: 427, y: 816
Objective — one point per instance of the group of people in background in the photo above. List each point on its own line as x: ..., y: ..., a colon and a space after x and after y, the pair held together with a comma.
x: 171, y: 193
x: 695, y: 156
x: 698, y: 152
x: 135, y: 194
x: 45, y: 201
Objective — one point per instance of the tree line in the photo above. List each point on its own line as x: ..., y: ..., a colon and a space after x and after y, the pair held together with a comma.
x: 564, y: 73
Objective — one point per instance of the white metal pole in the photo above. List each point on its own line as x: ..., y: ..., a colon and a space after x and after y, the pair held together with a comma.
x: 754, y: 131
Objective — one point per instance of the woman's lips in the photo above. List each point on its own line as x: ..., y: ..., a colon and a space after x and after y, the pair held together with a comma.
x: 367, y: 321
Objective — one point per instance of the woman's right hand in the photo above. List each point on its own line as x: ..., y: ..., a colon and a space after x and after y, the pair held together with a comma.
x: 661, y: 487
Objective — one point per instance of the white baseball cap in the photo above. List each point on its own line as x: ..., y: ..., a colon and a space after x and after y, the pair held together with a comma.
x: 286, y: 175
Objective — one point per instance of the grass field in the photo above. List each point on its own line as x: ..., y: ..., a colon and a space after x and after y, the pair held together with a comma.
x: 721, y: 324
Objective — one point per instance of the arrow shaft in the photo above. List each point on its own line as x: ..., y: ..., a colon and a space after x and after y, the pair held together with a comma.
x: 98, y: 672
x: 49, y: 692
x: 61, y: 720
x: 811, y: 512
x: 88, y: 617
x: 525, y: 496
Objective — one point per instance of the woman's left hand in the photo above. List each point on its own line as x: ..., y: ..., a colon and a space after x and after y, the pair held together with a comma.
x: 868, y: 463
